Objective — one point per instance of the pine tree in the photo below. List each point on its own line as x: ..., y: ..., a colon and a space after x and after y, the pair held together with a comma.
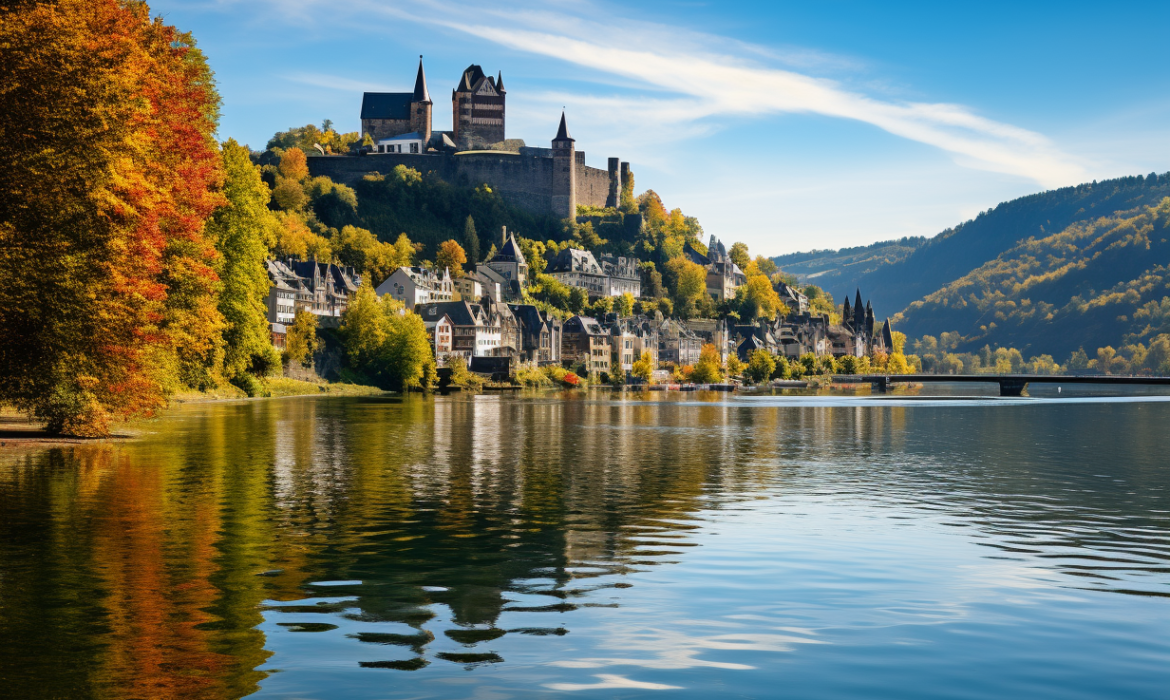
x: 470, y: 241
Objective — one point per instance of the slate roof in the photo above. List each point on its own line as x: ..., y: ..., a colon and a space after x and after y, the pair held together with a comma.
x: 510, y: 252
x: 563, y: 131
x: 573, y: 260
x: 420, y: 85
x: 461, y: 313
x: 386, y: 105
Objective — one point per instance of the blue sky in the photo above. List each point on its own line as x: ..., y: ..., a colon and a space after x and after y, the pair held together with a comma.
x: 785, y: 125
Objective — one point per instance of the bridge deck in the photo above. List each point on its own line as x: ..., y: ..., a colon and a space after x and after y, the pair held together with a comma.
x: 1009, y: 384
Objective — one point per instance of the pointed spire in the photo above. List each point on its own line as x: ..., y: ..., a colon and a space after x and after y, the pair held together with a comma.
x: 563, y: 131
x: 420, y: 85
x: 500, y: 82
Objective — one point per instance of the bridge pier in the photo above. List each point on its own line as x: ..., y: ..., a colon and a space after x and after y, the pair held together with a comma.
x: 881, y: 384
x: 1009, y: 386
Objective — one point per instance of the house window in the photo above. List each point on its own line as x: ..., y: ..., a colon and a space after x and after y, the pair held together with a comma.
x: 414, y: 148
x: 381, y: 148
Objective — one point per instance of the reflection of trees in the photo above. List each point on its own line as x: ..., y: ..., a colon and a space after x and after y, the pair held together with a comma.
x: 145, y: 569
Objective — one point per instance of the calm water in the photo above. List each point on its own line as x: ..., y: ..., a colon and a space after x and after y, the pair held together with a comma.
x: 584, y: 547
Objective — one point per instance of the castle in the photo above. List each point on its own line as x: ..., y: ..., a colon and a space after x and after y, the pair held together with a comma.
x: 475, y: 151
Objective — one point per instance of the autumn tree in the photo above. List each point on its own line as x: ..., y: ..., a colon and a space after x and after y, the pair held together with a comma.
x: 644, y: 367
x: 242, y: 231
x: 709, y: 368
x: 757, y: 298
x: 452, y: 257
x: 624, y: 305
x: 689, y: 280
x: 106, y: 276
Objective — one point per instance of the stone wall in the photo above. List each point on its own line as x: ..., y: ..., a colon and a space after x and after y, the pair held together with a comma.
x: 592, y: 184
x: 520, y: 180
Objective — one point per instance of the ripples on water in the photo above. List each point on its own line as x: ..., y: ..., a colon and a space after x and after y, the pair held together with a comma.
x: 527, y: 547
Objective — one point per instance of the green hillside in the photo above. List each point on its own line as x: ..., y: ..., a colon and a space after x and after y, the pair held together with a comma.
x: 955, y: 252
x: 1095, y: 283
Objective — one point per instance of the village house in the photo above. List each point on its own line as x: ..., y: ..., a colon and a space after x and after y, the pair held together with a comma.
x: 540, y: 335
x: 585, y: 342
x: 509, y: 266
x: 417, y: 285
x: 323, y: 289
x: 607, y: 276
x: 677, y: 344
x: 723, y: 275
x: 442, y: 334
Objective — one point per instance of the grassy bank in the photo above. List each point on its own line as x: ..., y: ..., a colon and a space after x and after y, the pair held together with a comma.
x: 278, y: 387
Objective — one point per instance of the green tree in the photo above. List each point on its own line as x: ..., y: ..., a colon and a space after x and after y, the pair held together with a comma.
x: 1078, y: 361
x: 734, y: 366
x: 242, y: 231
x: 1106, y: 359
x: 760, y: 366
x: 389, y: 347
x: 847, y: 365
x: 578, y: 299
x: 470, y: 241
x: 739, y: 255
x: 301, y: 338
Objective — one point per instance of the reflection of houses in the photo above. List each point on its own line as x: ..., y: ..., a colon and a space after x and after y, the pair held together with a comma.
x: 609, y: 276
x: 417, y: 285
x: 540, y: 334
x: 586, y: 342
x: 723, y: 276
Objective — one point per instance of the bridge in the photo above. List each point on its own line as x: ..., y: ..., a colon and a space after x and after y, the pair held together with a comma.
x: 1009, y: 384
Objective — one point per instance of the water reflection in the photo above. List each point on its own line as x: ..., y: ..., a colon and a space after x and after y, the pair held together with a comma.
x: 366, y: 536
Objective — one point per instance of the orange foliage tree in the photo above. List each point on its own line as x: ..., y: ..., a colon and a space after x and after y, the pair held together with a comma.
x: 106, y: 280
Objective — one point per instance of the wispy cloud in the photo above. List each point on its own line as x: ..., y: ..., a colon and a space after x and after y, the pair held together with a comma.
x: 701, y: 76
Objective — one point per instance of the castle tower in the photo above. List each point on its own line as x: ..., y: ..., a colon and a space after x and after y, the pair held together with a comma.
x: 858, y: 312
x: 615, y: 184
x: 564, y: 179
x: 477, y: 109
x: 420, y: 105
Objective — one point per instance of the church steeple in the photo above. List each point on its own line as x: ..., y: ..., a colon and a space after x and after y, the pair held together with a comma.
x: 500, y: 82
x: 420, y: 85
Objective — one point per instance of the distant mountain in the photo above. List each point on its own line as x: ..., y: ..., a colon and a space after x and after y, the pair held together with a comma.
x: 955, y: 252
x: 1100, y: 282
x: 836, y: 269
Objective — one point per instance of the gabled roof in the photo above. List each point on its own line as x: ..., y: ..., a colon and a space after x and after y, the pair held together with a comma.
x: 461, y: 313
x: 587, y: 324
x: 386, y: 105
x: 510, y: 252
x: 694, y: 255
x: 471, y: 79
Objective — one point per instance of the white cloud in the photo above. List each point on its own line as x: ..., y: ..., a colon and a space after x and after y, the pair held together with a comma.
x: 702, y: 76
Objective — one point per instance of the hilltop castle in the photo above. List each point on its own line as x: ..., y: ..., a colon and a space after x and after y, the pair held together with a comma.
x: 476, y: 151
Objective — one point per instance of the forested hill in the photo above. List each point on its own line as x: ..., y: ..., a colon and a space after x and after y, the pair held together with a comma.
x: 955, y: 252
x: 1096, y: 283
x: 836, y: 269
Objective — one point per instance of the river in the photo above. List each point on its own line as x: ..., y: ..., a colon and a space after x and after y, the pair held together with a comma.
x: 593, y: 546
